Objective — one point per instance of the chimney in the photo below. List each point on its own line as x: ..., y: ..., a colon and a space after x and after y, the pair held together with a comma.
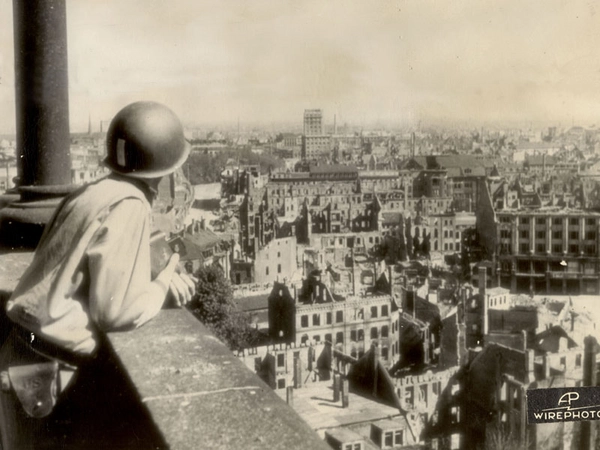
x: 546, y: 366
x: 289, y: 396
x: 482, y: 280
x: 297, y: 373
x: 375, y: 350
x: 563, y: 344
x: 336, y: 388
x: 524, y: 334
x: 589, y: 361
x: 345, y: 393
x: 354, y: 289
x: 589, y: 428
x: 484, y: 300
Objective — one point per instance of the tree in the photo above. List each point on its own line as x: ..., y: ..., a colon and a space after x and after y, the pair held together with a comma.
x: 426, y: 245
x: 213, y: 305
x: 416, y: 246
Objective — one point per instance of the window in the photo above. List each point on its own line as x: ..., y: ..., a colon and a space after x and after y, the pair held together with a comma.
x: 339, y: 316
x: 540, y: 248
x: 281, y: 383
x: 328, y: 338
x: 524, y: 234
x: 590, y: 235
x: 540, y: 221
x: 574, y: 248
x: 267, y: 271
x: 557, y: 221
x: 524, y: 248
x: 339, y: 338
x: 574, y: 235
x: 278, y: 268
x: 353, y: 335
x: 280, y: 360
x: 384, y: 310
x: 557, y: 248
x: 316, y: 320
x: 373, y: 311
x: 524, y: 220
x: 399, y: 437
x: 505, y: 234
x: 541, y: 234
x: 329, y: 318
x: 557, y: 234
x: 361, y: 335
x: 384, y: 353
x: 304, y: 321
x: 384, y: 331
x: 374, y: 333
x: 388, y: 439
x: 573, y: 221
x: 590, y: 222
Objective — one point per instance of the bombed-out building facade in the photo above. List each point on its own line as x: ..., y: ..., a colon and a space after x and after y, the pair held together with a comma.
x: 435, y: 288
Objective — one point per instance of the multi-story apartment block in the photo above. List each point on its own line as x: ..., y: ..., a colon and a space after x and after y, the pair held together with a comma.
x: 315, y: 146
x: 350, y: 324
x: 540, y: 249
x: 549, y: 250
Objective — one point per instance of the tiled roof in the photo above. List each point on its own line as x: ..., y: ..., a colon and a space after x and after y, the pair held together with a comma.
x: 333, y: 168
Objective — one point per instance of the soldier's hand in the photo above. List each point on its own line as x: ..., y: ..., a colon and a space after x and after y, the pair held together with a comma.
x: 182, y: 288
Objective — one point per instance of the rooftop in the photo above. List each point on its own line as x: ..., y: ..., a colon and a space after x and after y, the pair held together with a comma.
x: 316, y: 406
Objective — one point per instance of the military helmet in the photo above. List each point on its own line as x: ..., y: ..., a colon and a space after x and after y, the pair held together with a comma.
x: 145, y: 140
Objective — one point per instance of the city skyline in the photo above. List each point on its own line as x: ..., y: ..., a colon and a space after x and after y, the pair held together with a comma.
x: 396, y: 63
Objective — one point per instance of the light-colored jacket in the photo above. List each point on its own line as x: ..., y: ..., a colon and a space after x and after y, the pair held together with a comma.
x: 91, y: 270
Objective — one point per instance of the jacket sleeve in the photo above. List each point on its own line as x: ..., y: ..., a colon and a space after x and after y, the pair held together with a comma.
x: 121, y: 293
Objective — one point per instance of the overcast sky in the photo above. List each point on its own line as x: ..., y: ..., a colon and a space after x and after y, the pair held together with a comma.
x: 366, y: 61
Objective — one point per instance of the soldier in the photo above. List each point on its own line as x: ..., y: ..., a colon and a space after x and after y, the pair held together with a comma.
x: 91, y: 273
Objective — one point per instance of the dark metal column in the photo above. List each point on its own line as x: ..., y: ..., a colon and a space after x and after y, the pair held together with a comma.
x: 42, y: 100
x: 42, y: 120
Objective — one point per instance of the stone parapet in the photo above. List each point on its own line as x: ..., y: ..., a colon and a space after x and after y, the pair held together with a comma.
x: 199, y: 395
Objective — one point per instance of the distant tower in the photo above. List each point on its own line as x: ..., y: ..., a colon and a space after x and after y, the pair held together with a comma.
x: 313, y: 122
x: 89, y: 124
x: 335, y: 124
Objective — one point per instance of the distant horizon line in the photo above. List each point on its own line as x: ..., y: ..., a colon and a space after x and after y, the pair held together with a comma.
x: 380, y: 125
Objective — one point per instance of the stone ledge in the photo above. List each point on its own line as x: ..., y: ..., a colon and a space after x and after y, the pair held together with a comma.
x: 200, y: 395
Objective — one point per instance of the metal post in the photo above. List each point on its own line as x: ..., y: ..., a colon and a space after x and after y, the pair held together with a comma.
x: 42, y: 120
x: 42, y: 101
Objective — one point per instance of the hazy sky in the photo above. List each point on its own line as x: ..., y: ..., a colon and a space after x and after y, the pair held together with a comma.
x: 366, y: 61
